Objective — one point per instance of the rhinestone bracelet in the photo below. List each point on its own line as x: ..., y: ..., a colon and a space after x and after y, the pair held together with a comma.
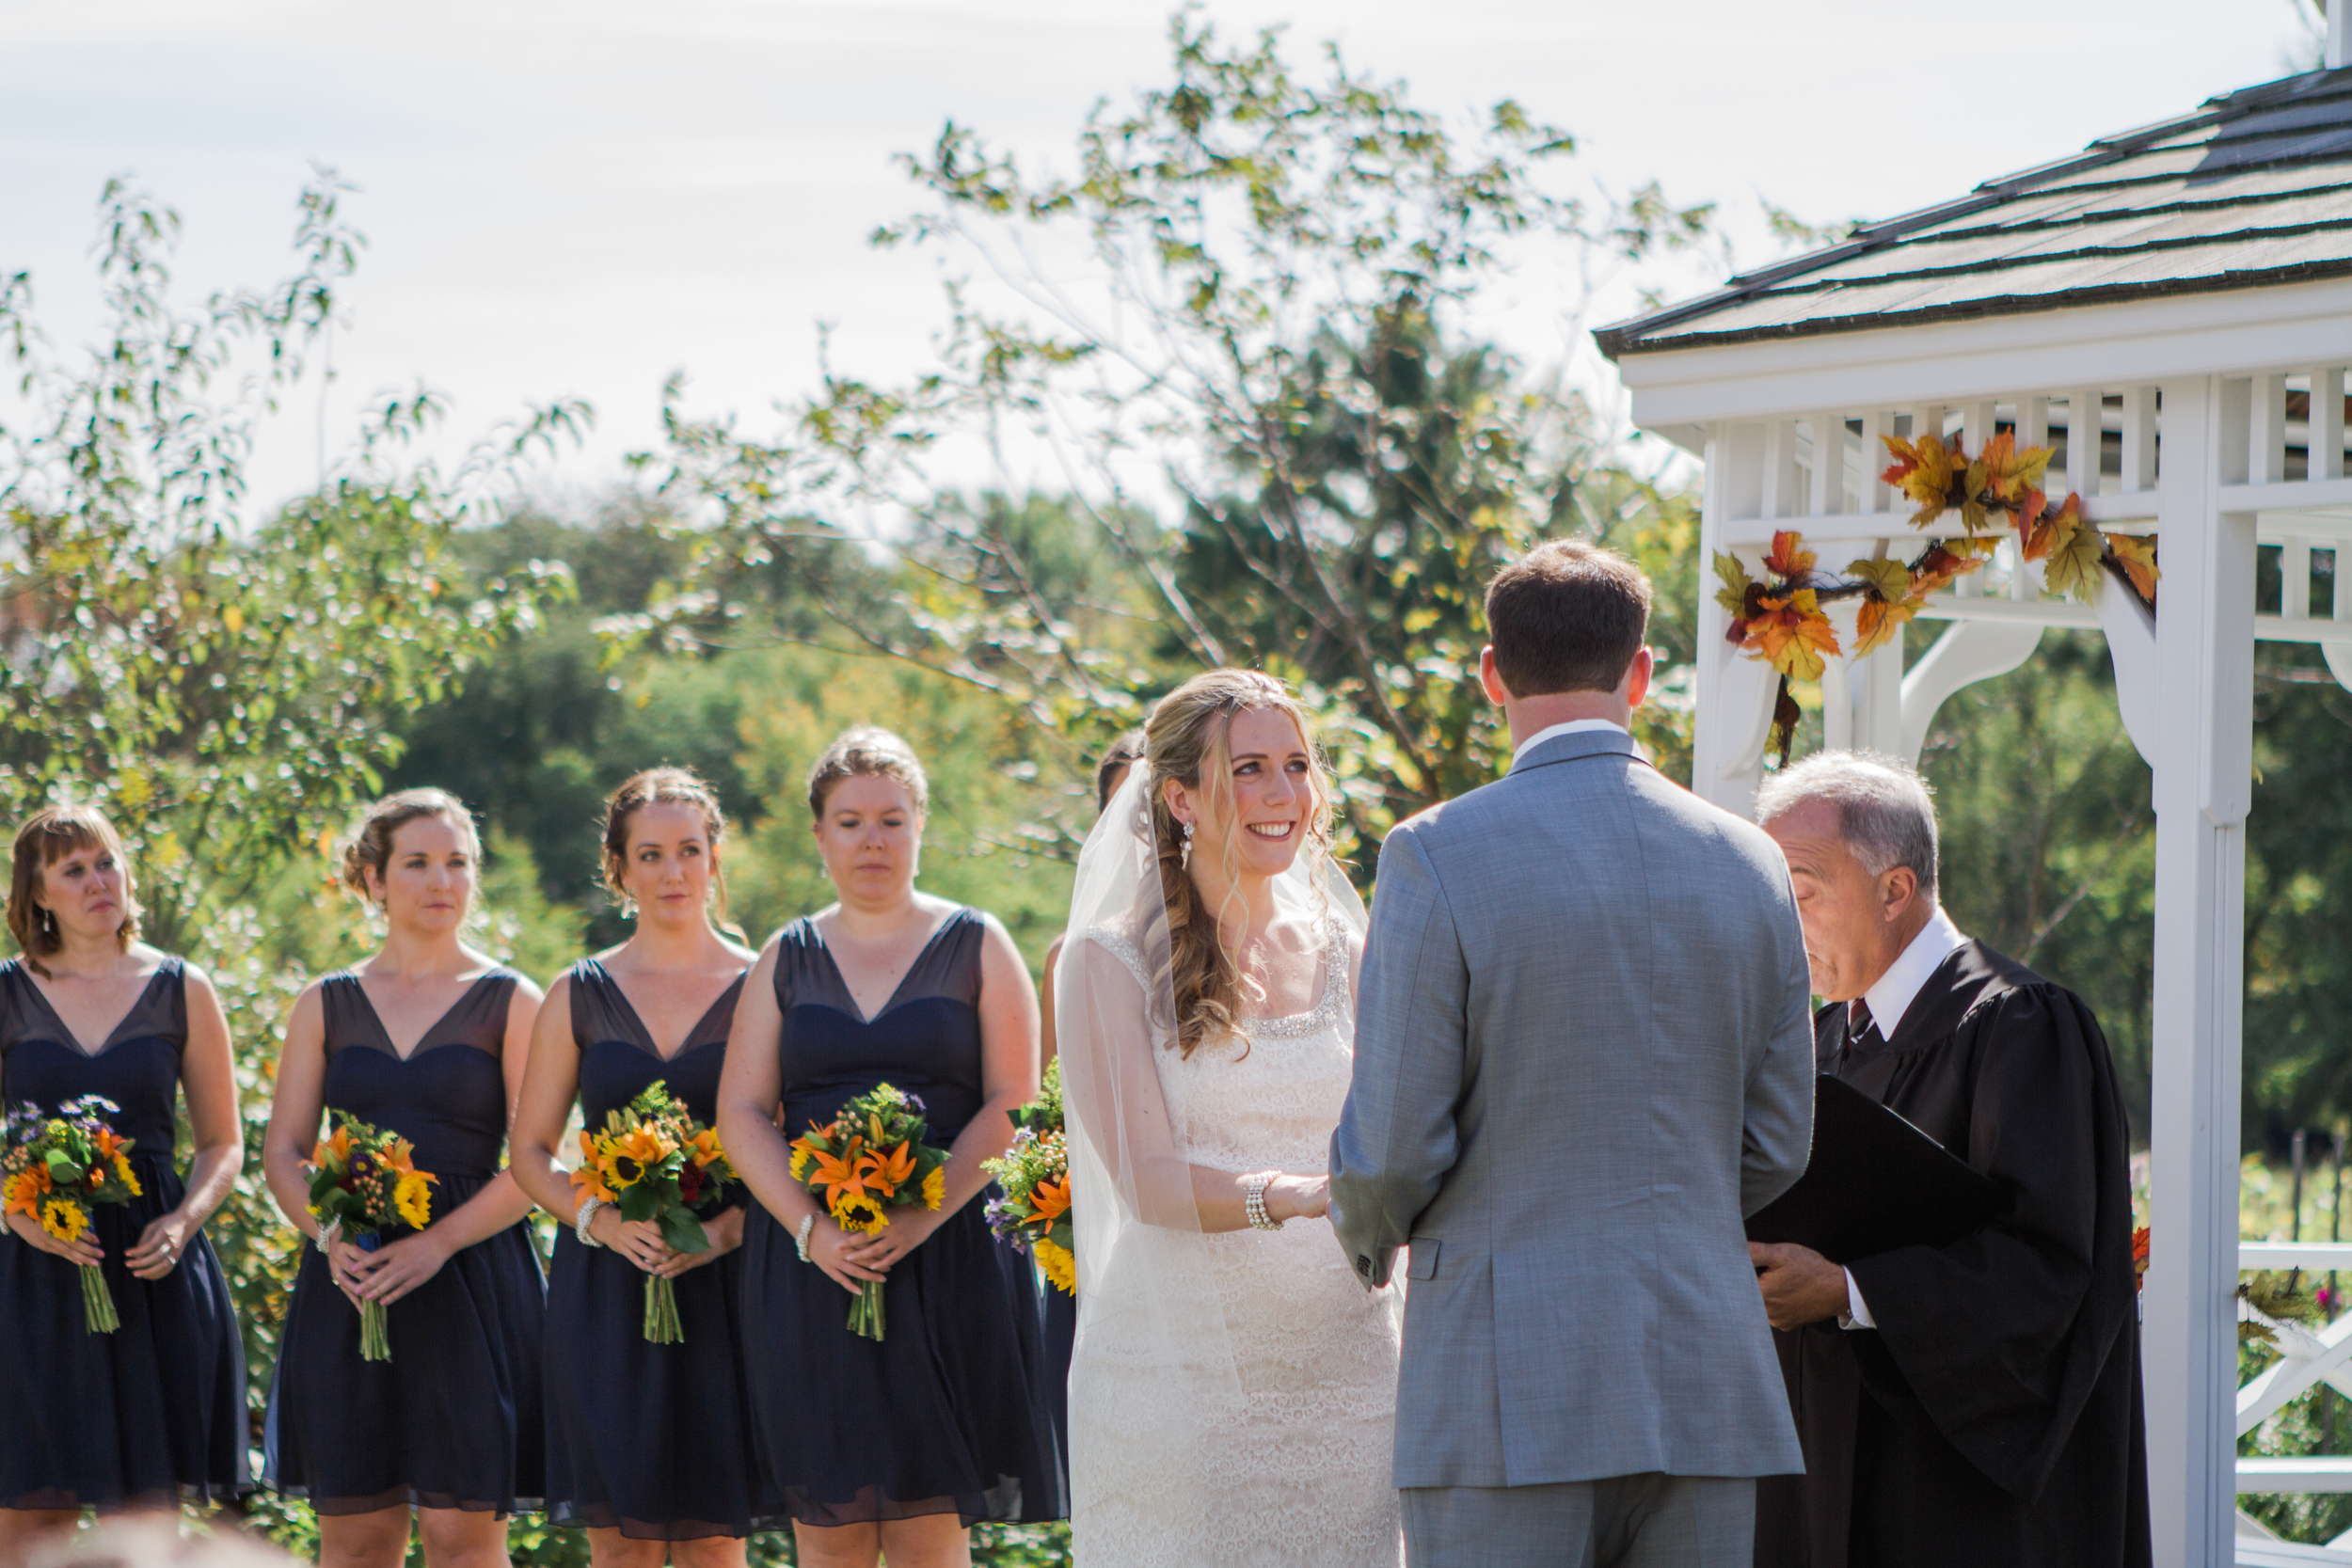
x: 586, y: 1211
x: 1253, y: 1201
x: 799, y: 1240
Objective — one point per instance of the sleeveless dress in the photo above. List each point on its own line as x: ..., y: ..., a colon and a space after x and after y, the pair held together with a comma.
x: 947, y: 1414
x: 453, y: 1419
x: 1300, y: 1472
x: 152, y: 1414
x: 651, y: 1440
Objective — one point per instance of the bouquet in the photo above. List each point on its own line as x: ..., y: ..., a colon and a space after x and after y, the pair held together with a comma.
x: 58, y: 1170
x: 1033, y: 1216
x: 653, y: 1161
x: 870, y: 1160
x: 362, y: 1184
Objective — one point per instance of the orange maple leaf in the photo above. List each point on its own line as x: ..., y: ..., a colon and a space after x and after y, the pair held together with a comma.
x: 2137, y: 555
x: 2009, y: 473
x: 1793, y: 634
x: 1788, y: 558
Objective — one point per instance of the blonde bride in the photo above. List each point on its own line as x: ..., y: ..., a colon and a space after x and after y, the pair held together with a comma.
x: 1233, y: 1390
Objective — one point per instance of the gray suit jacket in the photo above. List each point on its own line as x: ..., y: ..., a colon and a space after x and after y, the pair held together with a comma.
x: 1583, y: 1055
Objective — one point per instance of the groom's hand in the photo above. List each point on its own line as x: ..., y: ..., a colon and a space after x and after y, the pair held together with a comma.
x: 1800, y: 1284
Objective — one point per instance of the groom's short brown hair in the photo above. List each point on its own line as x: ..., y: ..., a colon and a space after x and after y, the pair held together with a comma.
x: 1566, y: 616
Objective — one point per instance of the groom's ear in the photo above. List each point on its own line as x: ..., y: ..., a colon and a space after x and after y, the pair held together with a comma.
x: 1635, y: 687
x: 1490, y: 679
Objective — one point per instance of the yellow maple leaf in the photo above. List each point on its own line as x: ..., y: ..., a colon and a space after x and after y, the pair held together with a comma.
x: 2137, y: 555
x: 1733, y: 595
x: 1792, y: 635
x: 2075, y: 554
x: 2009, y: 473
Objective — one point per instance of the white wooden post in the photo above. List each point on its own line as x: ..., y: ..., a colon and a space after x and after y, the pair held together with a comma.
x: 1726, y: 742
x: 2339, y: 51
x: 2204, y: 650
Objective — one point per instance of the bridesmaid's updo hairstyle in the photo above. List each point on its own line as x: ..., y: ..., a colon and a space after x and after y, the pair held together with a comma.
x: 868, y: 752
x: 1184, y: 740
x: 370, y: 846
x: 1124, y: 753
x: 661, y: 786
x: 47, y: 838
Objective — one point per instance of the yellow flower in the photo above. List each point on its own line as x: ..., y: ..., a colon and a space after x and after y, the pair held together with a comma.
x: 587, y: 1181
x: 799, y: 1163
x: 26, y: 1190
x: 1059, y: 1266
x: 935, y: 1187
x: 628, y: 1157
x: 64, y: 1219
x: 123, y: 1168
x: 410, y: 1197
x: 856, y: 1211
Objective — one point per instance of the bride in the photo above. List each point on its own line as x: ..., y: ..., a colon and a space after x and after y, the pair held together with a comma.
x: 1233, y: 1392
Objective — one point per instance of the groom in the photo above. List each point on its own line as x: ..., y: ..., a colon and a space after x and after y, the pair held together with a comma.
x: 1583, y: 1054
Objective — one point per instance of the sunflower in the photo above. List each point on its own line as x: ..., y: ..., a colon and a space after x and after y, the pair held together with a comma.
x: 411, y: 1198
x: 122, y: 1169
x: 856, y: 1211
x: 628, y: 1157
x: 64, y: 1219
x: 935, y: 1187
x: 26, y: 1190
x: 1060, y: 1266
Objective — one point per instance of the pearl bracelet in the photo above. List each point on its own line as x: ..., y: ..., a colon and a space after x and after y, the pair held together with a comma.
x: 1253, y: 1201
x: 587, y: 1210
x: 799, y: 1239
x: 325, y: 1238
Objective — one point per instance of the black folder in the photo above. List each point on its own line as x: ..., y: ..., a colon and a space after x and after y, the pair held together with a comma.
x: 1875, y: 1183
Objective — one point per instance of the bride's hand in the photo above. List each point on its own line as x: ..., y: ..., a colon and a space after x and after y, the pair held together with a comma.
x: 1298, y: 1197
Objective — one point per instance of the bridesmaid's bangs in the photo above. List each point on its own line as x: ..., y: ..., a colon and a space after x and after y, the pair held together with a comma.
x: 48, y: 836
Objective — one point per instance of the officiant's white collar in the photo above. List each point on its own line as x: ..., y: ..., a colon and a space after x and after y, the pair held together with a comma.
x: 1574, y: 726
x: 1898, y: 986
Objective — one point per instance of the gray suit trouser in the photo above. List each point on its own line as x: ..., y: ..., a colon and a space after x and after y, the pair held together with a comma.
x: 1645, y: 1521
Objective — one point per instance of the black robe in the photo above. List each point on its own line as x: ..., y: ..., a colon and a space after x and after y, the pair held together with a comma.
x: 1994, y: 1415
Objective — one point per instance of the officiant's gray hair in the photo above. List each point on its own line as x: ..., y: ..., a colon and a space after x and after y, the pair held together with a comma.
x: 1884, y: 811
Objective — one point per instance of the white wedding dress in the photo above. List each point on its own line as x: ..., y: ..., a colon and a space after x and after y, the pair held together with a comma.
x: 1169, y: 1469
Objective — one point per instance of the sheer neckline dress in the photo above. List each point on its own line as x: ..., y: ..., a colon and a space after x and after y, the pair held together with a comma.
x: 947, y: 1414
x: 455, y: 1418
x: 651, y: 1440
x: 152, y: 1414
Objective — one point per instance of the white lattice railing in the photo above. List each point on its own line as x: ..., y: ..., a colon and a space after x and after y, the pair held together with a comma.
x: 2306, y: 1361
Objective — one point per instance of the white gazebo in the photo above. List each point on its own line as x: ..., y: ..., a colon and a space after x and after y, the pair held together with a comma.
x: 2171, y: 309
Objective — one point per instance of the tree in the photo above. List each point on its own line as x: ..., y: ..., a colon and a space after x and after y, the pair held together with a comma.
x: 1265, y: 410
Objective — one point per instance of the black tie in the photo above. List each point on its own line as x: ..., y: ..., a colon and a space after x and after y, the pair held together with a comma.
x: 1862, y: 1030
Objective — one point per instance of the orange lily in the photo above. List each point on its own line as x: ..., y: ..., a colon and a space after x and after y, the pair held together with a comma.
x: 888, y: 1172
x: 587, y: 1181
x: 705, y: 1147
x: 840, y: 1175
x: 1049, y: 1202
x: 335, y: 1153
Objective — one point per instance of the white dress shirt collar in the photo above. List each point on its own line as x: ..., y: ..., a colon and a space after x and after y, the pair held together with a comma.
x: 1574, y: 726
x: 1891, y: 997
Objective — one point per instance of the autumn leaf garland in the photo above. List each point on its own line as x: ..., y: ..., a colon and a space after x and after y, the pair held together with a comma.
x: 1781, y: 621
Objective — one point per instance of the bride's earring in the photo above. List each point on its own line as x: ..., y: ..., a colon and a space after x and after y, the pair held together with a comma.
x: 1184, y: 859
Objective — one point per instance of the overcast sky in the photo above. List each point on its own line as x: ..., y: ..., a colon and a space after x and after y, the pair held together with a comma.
x: 579, y: 199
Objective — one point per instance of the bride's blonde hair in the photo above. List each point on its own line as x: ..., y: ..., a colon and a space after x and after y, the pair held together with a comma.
x: 1186, y: 739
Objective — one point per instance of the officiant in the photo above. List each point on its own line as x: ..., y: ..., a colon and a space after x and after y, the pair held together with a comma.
x: 1978, y: 1402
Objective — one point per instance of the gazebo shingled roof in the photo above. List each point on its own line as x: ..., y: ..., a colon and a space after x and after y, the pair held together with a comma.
x: 2253, y: 190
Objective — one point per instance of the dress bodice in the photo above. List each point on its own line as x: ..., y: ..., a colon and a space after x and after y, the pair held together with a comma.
x: 926, y: 1039
x: 1268, y: 1100
x: 447, y: 1097
x: 619, y: 1058
x: 137, y: 1066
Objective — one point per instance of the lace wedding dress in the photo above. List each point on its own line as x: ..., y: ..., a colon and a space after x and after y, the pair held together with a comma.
x: 1169, y: 1467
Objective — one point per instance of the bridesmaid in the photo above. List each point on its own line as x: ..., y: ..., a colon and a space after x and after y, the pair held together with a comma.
x: 889, y: 1448
x: 152, y: 1414
x: 648, y: 1446
x: 1061, y: 1308
x: 426, y: 1038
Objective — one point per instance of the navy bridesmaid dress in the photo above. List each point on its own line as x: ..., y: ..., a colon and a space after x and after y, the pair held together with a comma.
x: 152, y: 1414
x: 651, y: 1440
x: 949, y: 1414
x: 453, y: 1419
